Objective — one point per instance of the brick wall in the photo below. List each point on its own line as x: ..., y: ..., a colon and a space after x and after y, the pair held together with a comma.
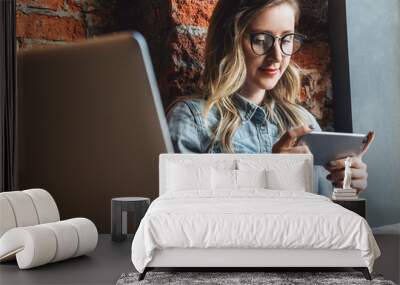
x: 176, y: 31
x: 52, y: 22
x: 314, y: 59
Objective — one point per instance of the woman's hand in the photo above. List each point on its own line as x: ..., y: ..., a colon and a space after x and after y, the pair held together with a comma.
x: 358, y: 169
x: 288, y: 143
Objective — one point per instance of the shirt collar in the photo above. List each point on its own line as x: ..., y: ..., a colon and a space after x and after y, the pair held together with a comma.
x: 249, y: 110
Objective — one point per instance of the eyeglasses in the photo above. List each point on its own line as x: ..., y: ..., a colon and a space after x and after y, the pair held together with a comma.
x: 261, y: 43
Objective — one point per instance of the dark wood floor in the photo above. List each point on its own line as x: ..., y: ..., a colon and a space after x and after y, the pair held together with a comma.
x: 103, y: 266
x: 110, y: 259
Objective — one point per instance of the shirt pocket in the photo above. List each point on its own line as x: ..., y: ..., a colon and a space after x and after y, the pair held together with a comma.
x: 243, y: 132
x: 241, y: 148
x: 244, y: 146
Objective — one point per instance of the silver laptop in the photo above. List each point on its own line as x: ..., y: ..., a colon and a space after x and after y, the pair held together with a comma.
x: 91, y: 124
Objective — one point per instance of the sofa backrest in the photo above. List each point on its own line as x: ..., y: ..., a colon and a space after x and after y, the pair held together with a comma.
x: 26, y: 208
x: 295, y: 169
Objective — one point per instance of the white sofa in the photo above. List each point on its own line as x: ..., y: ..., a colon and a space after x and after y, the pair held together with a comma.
x: 31, y: 231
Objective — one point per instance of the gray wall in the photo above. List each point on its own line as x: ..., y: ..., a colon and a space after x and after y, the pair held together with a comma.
x: 374, y: 65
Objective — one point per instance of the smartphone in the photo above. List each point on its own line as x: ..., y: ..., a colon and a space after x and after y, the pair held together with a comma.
x: 328, y: 146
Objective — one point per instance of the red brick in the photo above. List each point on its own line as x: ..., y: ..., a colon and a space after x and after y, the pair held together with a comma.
x: 186, y: 47
x: 185, y: 67
x: 314, y: 55
x: 48, y: 27
x: 192, y: 12
x: 48, y: 4
x: 74, y: 6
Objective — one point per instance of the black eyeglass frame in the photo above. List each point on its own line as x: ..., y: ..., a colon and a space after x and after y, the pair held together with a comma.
x: 302, y: 37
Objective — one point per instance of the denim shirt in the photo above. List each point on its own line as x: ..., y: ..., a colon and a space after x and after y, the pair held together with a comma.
x: 256, y: 134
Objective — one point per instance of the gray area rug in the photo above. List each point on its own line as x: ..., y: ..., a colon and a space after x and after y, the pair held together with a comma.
x: 273, y: 278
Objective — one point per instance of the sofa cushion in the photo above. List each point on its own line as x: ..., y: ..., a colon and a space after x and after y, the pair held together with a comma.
x: 7, y: 220
x: 40, y: 244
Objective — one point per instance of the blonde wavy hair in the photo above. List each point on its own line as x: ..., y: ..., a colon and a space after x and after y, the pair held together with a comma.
x: 225, y: 71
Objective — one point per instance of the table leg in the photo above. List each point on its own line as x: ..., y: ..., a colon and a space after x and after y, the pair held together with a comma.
x: 117, y: 222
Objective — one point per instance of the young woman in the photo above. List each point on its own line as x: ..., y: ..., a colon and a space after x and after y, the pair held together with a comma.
x: 250, y: 88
